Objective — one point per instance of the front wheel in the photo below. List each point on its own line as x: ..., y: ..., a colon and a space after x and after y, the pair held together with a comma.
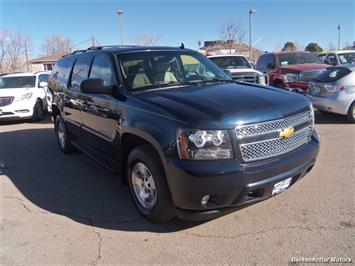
x: 38, y: 112
x: 148, y: 186
x: 351, y: 113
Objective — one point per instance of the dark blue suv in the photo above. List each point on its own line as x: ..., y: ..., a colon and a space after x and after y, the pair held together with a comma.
x: 187, y: 139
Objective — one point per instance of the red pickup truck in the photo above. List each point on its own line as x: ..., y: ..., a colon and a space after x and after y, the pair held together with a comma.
x: 290, y: 70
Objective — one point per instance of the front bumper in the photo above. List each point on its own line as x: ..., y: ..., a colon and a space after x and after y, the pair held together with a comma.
x: 17, y: 110
x: 232, y: 185
x: 338, y: 102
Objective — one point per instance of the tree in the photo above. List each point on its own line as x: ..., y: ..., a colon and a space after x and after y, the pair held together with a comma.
x: 147, y: 39
x: 230, y: 32
x: 289, y: 46
x: 13, y: 51
x: 56, y: 44
x: 313, y: 47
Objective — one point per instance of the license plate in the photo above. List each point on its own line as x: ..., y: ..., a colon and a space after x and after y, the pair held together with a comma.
x: 281, y: 186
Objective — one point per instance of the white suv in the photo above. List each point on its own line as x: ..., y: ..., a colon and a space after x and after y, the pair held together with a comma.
x: 23, y: 95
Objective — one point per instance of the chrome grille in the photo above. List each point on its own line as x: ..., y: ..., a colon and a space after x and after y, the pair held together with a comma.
x: 273, y: 147
x: 260, y: 141
x: 308, y: 76
x: 4, y: 101
x: 270, y: 126
x: 246, y: 77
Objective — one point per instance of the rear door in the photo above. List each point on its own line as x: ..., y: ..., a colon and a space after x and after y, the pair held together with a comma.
x: 99, y: 112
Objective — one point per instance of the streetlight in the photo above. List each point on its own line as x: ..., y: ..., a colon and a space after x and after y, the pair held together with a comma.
x: 251, y: 12
x: 120, y: 13
x: 338, y: 36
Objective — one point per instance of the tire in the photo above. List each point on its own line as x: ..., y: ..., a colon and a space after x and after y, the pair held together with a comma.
x: 62, y: 136
x: 38, y: 112
x: 155, y: 205
x: 351, y: 113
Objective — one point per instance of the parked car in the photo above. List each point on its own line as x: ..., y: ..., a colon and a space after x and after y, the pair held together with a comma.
x: 338, y: 57
x: 239, y: 67
x: 334, y: 91
x: 23, y: 96
x: 290, y: 70
x: 187, y: 139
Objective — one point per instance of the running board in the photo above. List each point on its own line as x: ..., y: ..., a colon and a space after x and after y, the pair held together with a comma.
x: 105, y: 160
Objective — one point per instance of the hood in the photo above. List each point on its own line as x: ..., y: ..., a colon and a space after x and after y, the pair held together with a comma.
x: 243, y: 70
x: 224, y: 106
x: 304, y: 67
x: 15, y: 92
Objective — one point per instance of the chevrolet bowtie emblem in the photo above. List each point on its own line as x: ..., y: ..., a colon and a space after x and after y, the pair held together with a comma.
x: 286, y: 133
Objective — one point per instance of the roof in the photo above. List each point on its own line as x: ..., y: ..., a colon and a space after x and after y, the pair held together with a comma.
x: 47, y: 59
x: 339, y: 52
x: 225, y: 55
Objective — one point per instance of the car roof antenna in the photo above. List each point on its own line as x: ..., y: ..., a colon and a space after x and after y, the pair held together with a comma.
x: 182, y: 46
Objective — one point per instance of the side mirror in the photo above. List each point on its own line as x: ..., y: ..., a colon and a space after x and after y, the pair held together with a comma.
x: 43, y: 84
x: 94, y: 86
x: 270, y: 66
x: 227, y: 72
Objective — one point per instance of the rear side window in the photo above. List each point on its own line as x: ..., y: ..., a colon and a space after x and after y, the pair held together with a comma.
x: 80, y: 71
x: 60, y: 73
x: 333, y: 74
x: 266, y: 61
x: 261, y: 63
x: 102, y: 68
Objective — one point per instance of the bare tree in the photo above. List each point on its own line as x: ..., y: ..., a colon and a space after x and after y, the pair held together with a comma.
x: 231, y: 32
x: 56, y: 44
x: 13, y: 51
x: 147, y: 39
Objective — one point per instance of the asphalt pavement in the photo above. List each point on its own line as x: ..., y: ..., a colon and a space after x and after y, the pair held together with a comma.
x: 67, y: 209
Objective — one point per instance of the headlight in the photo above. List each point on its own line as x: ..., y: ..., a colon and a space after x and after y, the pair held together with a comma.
x: 262, y: 80
x: 292, y: 77
x: 204, y: 144
x: 25, y: 97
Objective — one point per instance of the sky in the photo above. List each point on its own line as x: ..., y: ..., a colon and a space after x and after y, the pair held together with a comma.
x: 188, y: 22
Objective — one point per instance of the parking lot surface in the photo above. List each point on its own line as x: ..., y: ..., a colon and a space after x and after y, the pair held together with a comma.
x: 67, y: 209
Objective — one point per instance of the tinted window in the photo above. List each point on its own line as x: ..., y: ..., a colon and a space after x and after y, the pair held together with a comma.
x: 230, y: 62
x: 333, y: 74
x: 265, y: 61
x: 60, y: 73
x: 80, y: 71
x: 332, y: 59
x: 102, y: 68
x: 347, y: 58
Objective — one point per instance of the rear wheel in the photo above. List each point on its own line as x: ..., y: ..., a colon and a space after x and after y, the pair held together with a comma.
x: 38, y: 111
x: 351, y: 113
x: 148, y: 186
x: 62, y: 136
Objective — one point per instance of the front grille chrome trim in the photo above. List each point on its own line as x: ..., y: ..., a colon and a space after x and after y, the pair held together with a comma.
x: 6, y: 100
x: 273, y: 126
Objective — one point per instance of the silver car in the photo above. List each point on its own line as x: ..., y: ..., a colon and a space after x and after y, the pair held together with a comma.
x: 334, y: 91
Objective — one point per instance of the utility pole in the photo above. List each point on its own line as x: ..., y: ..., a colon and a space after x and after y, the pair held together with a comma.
x: 251, y: 12
x: 120, y: 13
x: 26, y: 54
x: 339, y: 36
x: 93, y: 40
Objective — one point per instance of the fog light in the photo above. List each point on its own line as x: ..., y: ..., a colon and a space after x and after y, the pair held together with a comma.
x: 205, y: 200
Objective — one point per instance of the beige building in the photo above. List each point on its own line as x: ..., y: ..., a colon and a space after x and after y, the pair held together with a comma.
x: 45, y: 63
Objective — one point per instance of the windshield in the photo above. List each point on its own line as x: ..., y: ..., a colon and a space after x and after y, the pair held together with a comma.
x: 230, y: 62
x: 347, y: 58
x: 297, y: 58
x: 147, y: 70
x: 17, y: 82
